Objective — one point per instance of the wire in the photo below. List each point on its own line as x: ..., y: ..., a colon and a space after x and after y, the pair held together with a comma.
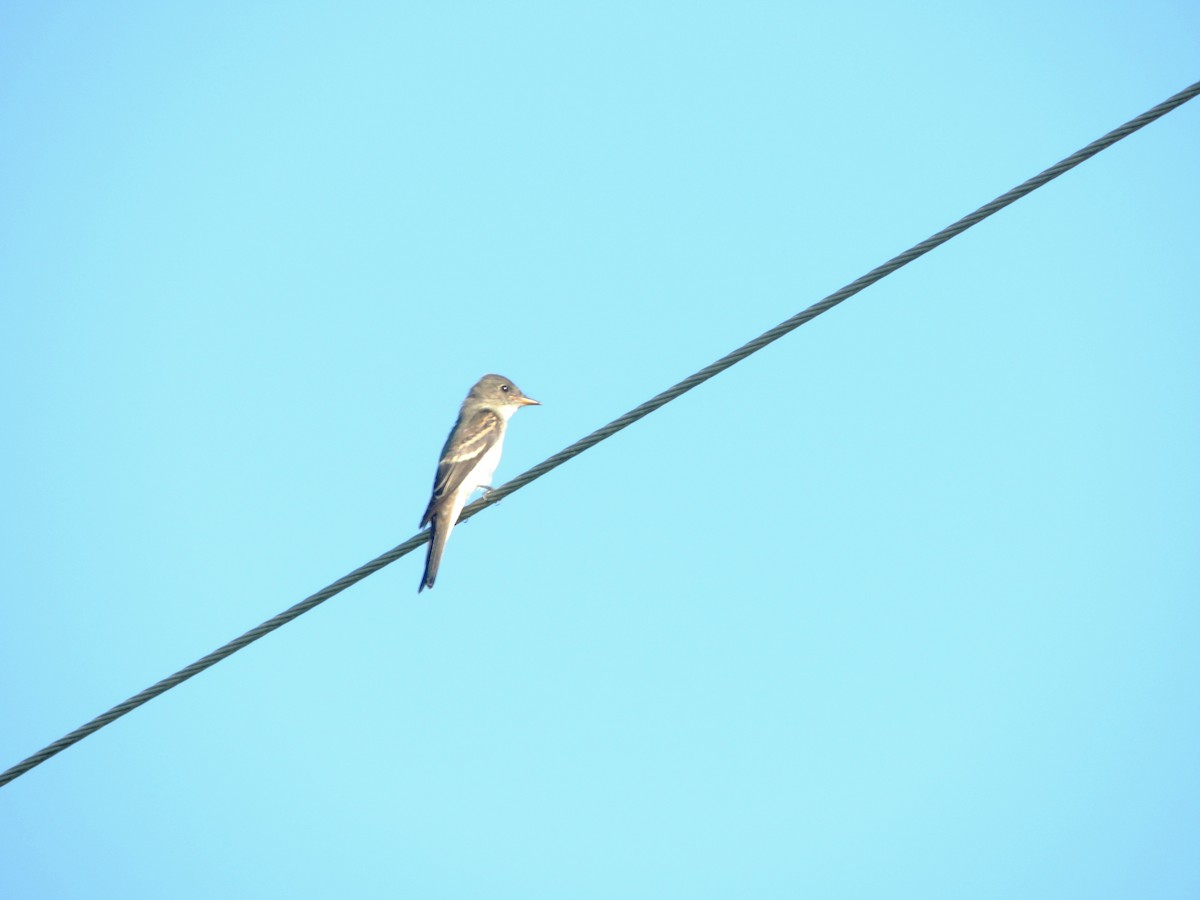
x: 608, y: 430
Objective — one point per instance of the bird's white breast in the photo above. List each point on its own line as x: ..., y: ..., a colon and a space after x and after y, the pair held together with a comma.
x: 481, y: 475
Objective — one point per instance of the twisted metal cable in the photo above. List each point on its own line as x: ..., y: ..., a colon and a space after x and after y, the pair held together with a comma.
x: 608, y: 430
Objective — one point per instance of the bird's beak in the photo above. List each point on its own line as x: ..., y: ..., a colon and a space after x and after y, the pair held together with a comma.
x: 528, y: 401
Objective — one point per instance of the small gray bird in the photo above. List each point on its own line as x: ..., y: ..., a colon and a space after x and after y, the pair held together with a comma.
x: 469, y: 459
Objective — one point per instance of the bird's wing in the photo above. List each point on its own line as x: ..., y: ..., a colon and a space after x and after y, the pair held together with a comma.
x: 468, y: 442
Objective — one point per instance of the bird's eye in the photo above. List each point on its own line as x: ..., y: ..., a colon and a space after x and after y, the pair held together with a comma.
x: 504, y: 387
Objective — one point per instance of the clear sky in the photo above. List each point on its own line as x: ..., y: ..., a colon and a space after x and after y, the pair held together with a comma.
x: 905, y: 605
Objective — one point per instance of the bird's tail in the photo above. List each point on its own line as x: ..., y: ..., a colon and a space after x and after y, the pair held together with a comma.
x: 433, y: 556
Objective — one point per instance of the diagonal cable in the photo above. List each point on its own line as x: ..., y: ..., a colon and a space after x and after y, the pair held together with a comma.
x: 608, y: 430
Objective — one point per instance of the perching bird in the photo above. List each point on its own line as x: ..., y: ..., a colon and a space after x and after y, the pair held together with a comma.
x: 469, y: 459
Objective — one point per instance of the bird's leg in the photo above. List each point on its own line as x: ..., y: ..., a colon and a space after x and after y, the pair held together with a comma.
x: 488, y: 491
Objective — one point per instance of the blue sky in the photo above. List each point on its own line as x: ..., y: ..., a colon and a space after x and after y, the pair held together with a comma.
x: 903, y: 606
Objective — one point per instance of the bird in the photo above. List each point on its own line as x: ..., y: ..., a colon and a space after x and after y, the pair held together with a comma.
x: 469, y: 459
